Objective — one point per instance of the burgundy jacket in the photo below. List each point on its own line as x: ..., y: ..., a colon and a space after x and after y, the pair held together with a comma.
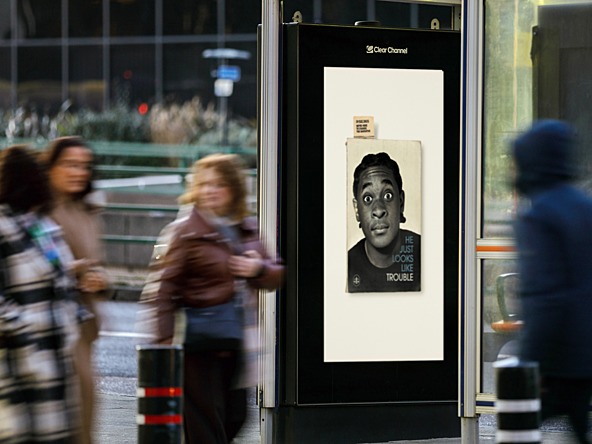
x: 196, y: 274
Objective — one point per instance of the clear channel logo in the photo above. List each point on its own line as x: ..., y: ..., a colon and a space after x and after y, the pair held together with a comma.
x: 372, y: 49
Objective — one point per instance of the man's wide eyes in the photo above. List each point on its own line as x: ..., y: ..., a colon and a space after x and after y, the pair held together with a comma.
x: 388, y: 196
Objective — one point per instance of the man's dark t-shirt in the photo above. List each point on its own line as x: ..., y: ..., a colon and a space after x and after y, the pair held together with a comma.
x: 403, y: 275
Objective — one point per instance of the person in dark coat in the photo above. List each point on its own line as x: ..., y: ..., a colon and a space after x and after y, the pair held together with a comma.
x: 554, y: 244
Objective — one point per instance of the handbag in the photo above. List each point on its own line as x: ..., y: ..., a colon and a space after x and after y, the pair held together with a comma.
x: 219, y: 327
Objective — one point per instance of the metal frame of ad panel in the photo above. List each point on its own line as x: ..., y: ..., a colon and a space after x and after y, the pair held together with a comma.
x: 395, y: 342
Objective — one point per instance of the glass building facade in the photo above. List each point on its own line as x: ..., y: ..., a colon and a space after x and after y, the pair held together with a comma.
x: 96, y: 53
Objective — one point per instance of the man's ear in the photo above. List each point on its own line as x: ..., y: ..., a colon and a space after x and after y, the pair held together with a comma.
x: 355, y: 202
x: 402, y: 204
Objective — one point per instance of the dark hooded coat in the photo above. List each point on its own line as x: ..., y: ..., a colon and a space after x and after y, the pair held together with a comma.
x: 554, y: 243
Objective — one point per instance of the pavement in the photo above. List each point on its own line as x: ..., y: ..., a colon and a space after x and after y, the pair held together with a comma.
x: 116, y: 424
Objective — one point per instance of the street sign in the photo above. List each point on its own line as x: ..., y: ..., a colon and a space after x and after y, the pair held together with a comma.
x: 223, y: 87
x: 225, y: 53
x: 229, y: 72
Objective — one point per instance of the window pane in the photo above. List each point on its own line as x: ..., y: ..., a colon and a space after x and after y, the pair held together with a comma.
x: 132, y: 17
x: 243, y: 101
x: 132, y: 74
x: 537, y: 64
x: 405, y: 15
x: 85, y: 18
x: 538, y: 57
x: 182, y: 17
x: 187, y: 74
x: 37, y: 20
x: 5, y: 25
x: 242, y: 17
x: 500, y: 315
x: 86, y: 79
x: 39, y: 74
x: 335, y: 12
x: 5, y: 65
x: 5, y: 78
x: 508, y: 98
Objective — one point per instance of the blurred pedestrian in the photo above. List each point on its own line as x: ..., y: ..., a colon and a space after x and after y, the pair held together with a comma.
x: 201, y: 269
x: 38, y: 401
x: 554, y: 246
x: 69, y: 161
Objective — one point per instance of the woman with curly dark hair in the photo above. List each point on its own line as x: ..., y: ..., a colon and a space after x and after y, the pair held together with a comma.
x: 37, y: 309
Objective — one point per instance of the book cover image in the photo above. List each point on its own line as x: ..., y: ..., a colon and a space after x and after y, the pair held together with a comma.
x: 383, y: 216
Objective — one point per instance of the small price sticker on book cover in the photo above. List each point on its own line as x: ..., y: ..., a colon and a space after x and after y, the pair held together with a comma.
x: 363, y: 127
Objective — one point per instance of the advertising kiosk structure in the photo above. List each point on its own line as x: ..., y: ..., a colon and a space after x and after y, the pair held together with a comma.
x: 367, y: 350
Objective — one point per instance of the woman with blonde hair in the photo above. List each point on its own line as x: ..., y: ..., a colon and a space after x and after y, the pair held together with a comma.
x: 204, y: 267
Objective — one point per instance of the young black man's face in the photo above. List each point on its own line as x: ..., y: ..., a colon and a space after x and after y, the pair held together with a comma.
x: 378, y: 205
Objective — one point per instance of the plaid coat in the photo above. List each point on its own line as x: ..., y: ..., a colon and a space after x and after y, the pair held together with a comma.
x: 37, y: 331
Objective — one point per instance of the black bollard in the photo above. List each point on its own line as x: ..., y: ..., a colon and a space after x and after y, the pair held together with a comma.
x: 160, y: 394
x: 518, y: 403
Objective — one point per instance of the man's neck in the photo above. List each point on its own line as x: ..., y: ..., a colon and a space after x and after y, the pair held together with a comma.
x: 382, y: 258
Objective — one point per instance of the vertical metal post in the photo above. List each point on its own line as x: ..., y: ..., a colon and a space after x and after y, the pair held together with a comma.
x: 268, y: 200
x: 106, y: 46
x: 222, y: 100
x: 158, y: 51
x: 371, y: 10
x: 14, y: 36
x: 471, y: 59
x: 160, y: 394
x: 65, y: 49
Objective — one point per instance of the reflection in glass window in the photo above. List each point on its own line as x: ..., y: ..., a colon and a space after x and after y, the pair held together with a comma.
x: 5, y: 65
x: 6, y: 31
x: 86, y: 86
x: 243, y: 17
x: 132, y: 17
x: 501, y: 315
x: 538, y: 60
x: 5, y: 78
x: 508, y: 99
x: 36, y: 20
x: 183, y: 17
x: 408, y: 15
x: 186, y: 72
x: 39, y: 73
x: 132, y: 74
x: 333, y: 12
x: 85, y: 18
x: 562, y: 62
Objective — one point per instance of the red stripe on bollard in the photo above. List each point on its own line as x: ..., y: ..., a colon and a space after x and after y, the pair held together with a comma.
x: 159, y: 419
x: 160, y: 394
x: 148, y: 392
